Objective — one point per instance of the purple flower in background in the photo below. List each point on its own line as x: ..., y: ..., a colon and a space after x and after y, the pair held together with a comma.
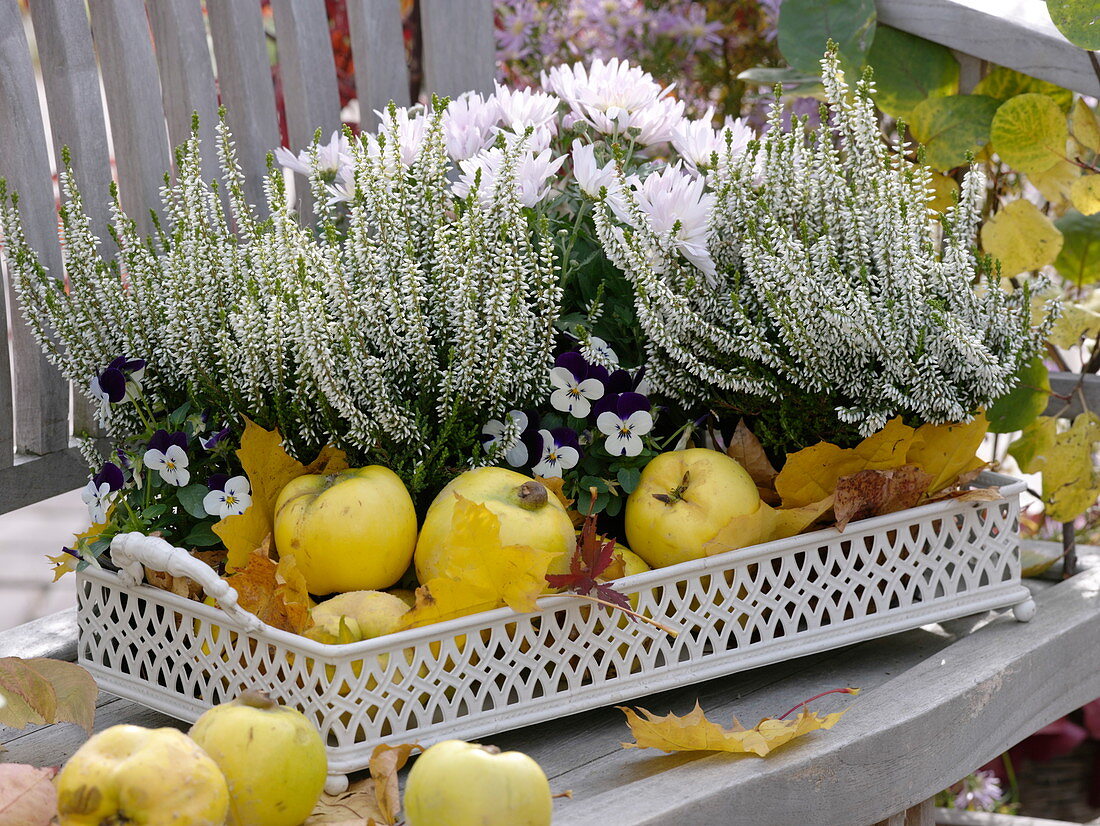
x: 771, y: 11
x: 624, y: 420
x: 120, y: 381
x: 576, y: 384
x: 229, y: 496
x: 97, y: 493
x: 560, y: 451
x: 981, y: 792
x: 167, y: 453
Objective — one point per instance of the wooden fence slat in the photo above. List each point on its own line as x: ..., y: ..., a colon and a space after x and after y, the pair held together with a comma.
x: 75, y: 109
x: 42, y: 477
x: 244, y: 80
x: 378, y: 48
x: 459, y: 46
x: 186, y: 76
x: 120, y: 31
x: 41, y: 399
x: 308, y: 73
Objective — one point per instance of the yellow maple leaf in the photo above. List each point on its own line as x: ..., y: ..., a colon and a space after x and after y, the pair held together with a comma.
x: 811, y: 474
x: 766, y: 524
x: 441, y: 599
x: 947, y: 451
x: 65, y: 563
x: 268, y: 468
x: 694, y: 732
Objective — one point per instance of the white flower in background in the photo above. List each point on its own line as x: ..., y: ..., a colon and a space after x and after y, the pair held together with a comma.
x: 559, y: 452
x: 572, y: 395
x: 625, y: 424
x: 520, y: 108
x: 532, y: 174
x: 517, y: 422
x: 674, y: 200
x: 697, y: 141
x: 614, y: 97
x: 333, y: 158
x: 231, y: 499
x: 599, y: 351
x: 468, y: 124
x: 411, y: 128
x: 590, y: 177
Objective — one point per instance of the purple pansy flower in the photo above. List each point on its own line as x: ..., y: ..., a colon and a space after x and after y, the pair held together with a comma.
x: 211, y: 441
x: 624, y: 421
x: 560, y: 451
x: 120, y: 381
x: 230, y: 497
x: 167, y: 453
x: 576, y: 384
x: 97, y: 493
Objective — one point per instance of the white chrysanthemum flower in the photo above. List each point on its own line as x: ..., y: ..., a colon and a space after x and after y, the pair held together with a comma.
x: 232, y: 499
x: 468, y: 124
x: 333, y: 158
x: 698, y: 142
x: 590, y: 177
x: 615, y: 97
x: 520, y: 108
x: 532, y: 174
x: 411, y: 128
x: 676, y: 206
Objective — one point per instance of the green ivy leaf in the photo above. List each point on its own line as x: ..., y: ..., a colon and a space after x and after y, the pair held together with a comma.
x: 1079, y: 259
x: 202, y: 536
x: 805, y: 27
x: 908, y: 70
x: 1027, y: 400
x: 1029, y: 132
x: 191, y: 497
x: 950, y: 127
x: 1004, y: 84
x: 1078, y: 20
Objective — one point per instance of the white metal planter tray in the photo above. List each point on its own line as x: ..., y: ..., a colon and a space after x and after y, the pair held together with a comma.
x: 500, y: 670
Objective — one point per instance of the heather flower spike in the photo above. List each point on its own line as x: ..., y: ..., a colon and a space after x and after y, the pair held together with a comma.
x: 509, y: 435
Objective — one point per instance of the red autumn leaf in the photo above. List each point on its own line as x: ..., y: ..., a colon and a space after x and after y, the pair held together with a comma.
x: 592, y: 558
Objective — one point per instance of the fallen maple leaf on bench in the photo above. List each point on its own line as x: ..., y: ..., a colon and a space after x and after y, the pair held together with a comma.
x: 694, y: 732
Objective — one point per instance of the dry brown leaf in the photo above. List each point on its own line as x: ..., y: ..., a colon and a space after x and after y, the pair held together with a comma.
x: 876, y: 492
x: 973, y: 495
x: 181, y: 585
x: 41, y: 690
x: 747, y: 450
x: 694, y: 732
x: 273, y: 591
x: 27, y: 795
x: 355, y: 807
x: 385, y: 763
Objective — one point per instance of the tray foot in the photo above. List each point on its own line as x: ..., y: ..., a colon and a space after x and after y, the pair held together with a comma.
x: 336, y: 783
x: 1024, y: 611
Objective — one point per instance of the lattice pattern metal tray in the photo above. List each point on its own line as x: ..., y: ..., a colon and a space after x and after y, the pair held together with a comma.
x: 499, y: 670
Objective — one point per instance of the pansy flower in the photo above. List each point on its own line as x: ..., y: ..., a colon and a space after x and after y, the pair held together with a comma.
x: 120, y: 381
x: 97, y: 492
x: 229, y: 496
x: 624, y: 421
x: 622, y: 381
x: 519, y: 454
x: 560, y: 451
x: 167, y: 453
x: 212, y: 440
x: 576, y: 384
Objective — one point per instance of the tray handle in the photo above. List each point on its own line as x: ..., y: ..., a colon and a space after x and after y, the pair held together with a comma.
x: 131, y: 551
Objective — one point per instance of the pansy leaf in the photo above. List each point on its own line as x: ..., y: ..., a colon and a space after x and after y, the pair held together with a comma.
x: 201, y: 536
x: 628, y: 478
x: 191, y: 496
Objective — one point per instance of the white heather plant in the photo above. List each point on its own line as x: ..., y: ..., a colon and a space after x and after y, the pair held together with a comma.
x: 395, y: 338
x: 811, y: 286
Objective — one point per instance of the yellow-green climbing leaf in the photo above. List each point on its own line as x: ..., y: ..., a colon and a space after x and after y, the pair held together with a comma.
x: 909, y: 69
x: 805, y: 26
x: 1078, y: 20
x: 1085, y: 194
x: 950, y: 127
x: 1031, y: 449
x: 1086, y: 128
x: 1024, y: 402
x: 1021, y: 238
x: 1055, y: 183
x: 1003, y: 84
x: 1076, y: 322
x: 944, y: 188
x: 1029, y: 132
x: 1070, y: 483
x: 1079, y: 259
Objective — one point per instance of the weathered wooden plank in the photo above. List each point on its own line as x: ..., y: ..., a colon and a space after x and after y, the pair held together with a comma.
x: 120, y: 31
x: 244, y: 80
x: 41, y: 477
x: 186, y: 75
x: 51, y: 636
x: 459, y: 46
x: 378, y: 47
x: 308, y: 73
x: 1067, y: 390
x: 1014, y: 33
x: 956, y: 817
x: 41, y: 398
x: 923, y: 814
